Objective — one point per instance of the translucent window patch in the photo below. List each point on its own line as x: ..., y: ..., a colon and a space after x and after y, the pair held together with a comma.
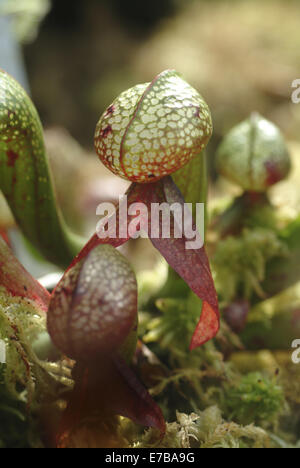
x: 157, y: 113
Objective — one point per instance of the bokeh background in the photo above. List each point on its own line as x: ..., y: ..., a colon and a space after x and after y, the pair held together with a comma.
x: 242, y: 55
x: 76, y: 56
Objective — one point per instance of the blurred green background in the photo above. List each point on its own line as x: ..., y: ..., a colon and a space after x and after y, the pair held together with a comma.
x: 242, y: 55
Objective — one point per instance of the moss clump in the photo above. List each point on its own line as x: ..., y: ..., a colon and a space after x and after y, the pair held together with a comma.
x: 27, y: 383
x: 256, y: 399
x: 17, y: 429
x: 240, y: 263
x: 206, y: 429
x: 176, y: 323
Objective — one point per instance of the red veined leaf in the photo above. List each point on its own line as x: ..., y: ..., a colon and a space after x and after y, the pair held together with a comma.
x: 191, y: 264
x: 135, y: 193
x: 140, y: 407
x: 18, y: 281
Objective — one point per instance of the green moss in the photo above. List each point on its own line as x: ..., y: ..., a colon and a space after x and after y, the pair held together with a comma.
x: 175, y: 325
x: 17, y: 429
x: 26, y: 382
x: 206, y: 429
x: 240, y: 263
x: 256, y: 399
